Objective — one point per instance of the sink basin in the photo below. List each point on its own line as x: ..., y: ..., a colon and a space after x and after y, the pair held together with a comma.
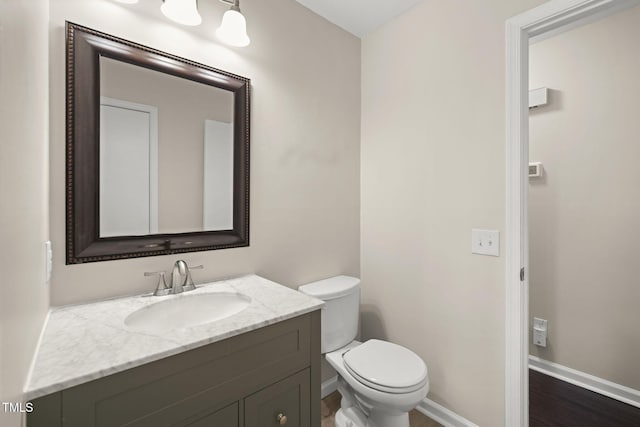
x: 183, y: 311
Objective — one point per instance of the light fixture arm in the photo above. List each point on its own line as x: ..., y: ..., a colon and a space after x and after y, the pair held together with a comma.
x: 235, y: 4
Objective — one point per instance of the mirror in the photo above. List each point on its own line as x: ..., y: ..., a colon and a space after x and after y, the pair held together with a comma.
x: 157, y: 152
x: 162, y: 150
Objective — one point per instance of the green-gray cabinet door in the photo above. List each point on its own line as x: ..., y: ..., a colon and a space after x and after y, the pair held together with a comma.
x: 225, y: 417
x: 286, y: 402
x: 47, y: 411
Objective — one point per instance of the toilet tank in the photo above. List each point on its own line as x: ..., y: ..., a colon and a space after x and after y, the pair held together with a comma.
x: 341, y: 295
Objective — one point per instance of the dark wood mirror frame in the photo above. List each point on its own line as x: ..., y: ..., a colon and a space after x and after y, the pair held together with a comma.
x: 84, y: 244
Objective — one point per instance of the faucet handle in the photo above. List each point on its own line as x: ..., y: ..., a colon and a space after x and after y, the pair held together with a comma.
x: 161, y: 287
x: 188, y: 283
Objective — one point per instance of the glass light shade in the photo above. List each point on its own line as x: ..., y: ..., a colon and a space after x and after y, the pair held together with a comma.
x: 233, y: 29
x: 183, y: 12
x: 127, y: 1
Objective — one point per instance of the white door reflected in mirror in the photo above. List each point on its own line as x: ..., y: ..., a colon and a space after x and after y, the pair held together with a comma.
x: 128, y: 168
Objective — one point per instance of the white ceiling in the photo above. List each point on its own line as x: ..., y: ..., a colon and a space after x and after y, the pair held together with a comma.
x: 359, y: 17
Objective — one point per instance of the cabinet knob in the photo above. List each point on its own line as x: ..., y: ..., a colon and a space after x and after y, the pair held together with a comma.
x: 281, y: 418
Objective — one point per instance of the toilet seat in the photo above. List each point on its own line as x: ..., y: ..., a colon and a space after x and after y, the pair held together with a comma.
x: 386, y: 367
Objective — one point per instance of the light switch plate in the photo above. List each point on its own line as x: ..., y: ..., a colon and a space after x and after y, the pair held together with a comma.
x: 485, y: 242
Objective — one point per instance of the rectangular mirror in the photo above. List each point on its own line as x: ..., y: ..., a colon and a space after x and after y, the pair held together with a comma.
x: 157, y: 152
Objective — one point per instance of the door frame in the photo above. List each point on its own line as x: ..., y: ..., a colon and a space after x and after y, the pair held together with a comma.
x: 538, y: 23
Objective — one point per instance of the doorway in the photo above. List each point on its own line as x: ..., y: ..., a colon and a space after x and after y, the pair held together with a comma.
x: 543, y: 21
x: 583, y: 205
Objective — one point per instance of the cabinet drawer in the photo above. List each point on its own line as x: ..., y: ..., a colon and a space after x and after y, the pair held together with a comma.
x: 288, y: 398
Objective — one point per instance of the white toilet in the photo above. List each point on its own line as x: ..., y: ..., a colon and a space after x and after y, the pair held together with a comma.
x: 380, y: 382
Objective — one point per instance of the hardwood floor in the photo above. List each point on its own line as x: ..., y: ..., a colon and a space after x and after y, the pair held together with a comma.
x: 555, y: 403
x: 331, y: 404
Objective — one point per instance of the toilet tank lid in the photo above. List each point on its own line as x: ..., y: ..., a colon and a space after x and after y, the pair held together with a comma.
x: 333, y: 287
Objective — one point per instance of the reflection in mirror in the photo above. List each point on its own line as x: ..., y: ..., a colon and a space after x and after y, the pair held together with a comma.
x: 166, y: 153
x: 157, y: 152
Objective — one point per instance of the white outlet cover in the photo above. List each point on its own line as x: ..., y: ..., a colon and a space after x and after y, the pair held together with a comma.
x: 48, y: 261
x: 539, y: 332
x: 485, y: 242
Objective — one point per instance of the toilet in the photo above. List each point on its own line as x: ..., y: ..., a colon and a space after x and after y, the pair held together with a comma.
x: 380, y: 382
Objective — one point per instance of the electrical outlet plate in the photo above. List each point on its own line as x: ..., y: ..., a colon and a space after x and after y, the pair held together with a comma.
x: 48, y: 260
x: 485, y: 242
x: 539, y: 332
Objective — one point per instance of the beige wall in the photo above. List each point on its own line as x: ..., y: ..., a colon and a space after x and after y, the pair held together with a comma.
x: 24, y: 220
x: 584, y: 231
x: 433, y: 168
x: 183, y: 106
x: 305, y: 142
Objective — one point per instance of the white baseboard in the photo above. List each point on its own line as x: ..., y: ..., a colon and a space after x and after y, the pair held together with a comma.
x: 328, y: 387
x: 442, y: 415
x: 606, y: 388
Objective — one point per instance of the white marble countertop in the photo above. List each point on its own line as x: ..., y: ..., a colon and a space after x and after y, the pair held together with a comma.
x: 84, y: 342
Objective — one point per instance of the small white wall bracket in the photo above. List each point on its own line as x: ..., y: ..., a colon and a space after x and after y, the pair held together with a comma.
x: 535, y: 170
x: 538, y: 97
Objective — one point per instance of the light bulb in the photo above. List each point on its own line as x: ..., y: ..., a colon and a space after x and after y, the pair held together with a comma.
x: 233, y: 29
x: 183, y: 12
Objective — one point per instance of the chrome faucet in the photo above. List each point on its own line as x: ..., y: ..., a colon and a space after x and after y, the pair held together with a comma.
x: 180, y: 269
x: 181, y: 280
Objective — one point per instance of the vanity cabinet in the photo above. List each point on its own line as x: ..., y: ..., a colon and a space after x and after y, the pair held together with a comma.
x: 266, y: 377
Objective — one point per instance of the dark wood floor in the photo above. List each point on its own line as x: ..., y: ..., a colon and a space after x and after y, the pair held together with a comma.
x: 557, y: 403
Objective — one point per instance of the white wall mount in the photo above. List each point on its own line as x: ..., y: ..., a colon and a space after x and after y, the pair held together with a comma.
x: 535, y: 170
x: 538, y: 97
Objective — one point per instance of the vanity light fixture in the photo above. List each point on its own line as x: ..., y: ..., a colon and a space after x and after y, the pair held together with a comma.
x: 233, y: 29
x: 183, y: 12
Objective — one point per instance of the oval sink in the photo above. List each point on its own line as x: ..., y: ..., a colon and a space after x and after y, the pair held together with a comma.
x: 187, y: 310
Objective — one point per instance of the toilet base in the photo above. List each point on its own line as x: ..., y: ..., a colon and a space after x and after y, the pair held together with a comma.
x: 350, y: 417
x: 352, y: 414
x: 353, y: 417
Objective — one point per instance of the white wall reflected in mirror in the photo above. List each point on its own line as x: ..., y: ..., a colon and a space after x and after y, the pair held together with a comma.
x: 218, y: 175
x: 183, y: 180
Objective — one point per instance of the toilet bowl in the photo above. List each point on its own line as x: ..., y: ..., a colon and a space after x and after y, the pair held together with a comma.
x: 383, y: 382
x: 380, y: 382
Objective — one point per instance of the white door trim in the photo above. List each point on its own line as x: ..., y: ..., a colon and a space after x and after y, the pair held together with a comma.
x: 547, y: 18
x: 153, y: 152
